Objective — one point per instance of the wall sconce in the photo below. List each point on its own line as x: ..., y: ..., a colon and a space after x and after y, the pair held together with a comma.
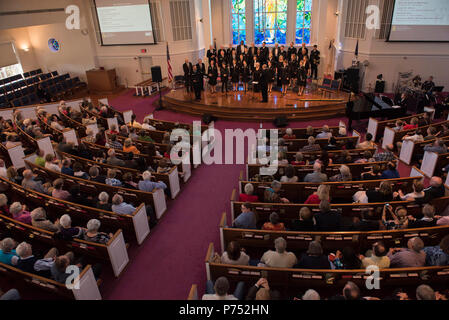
x: 337, y: 13
x: 26, y: 49
x: 200, y: 20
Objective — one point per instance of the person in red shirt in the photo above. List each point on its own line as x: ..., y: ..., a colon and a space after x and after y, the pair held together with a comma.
x: 299, y: 159
x: 289, y: 134
x: 413, y: 124
x: 248, y: 195
x: 321, y: 193
x: 274, y: 224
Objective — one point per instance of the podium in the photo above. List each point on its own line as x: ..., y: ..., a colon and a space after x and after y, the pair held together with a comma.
x: 102, y: 80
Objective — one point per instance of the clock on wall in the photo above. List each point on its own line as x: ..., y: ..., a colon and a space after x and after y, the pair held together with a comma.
x: 53, y: 45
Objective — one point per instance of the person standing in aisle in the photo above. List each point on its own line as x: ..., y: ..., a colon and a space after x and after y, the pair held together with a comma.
x: 314, y: 62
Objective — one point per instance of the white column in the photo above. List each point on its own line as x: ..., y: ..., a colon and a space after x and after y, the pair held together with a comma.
x: 291, y: 22
x: 249, y: 12
x: 207, y: 23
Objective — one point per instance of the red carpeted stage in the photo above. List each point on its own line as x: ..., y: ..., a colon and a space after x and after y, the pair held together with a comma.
x: 241, y: 106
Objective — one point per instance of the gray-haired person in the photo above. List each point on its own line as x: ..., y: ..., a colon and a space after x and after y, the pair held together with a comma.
x: 280, y: 258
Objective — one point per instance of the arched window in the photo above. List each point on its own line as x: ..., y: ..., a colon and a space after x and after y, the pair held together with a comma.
x: 238, y: 21
x: 303, y: 21
x: 270, y: 21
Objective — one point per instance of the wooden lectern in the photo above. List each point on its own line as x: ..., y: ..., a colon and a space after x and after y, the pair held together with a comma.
x: 102, y: 80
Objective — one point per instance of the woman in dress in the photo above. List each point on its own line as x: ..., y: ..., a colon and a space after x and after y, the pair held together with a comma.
x: 235, y: 75
x: 257, y: 74
x: 245, y: 72
x: 302, y: 75
x: 271, y: 75
x: 279, y: 65
x: 285, y: 77
x: 212, y: 73
x: 293, y: 69
x: 224, y: 75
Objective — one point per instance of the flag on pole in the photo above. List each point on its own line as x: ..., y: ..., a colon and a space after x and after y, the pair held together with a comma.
x: 170, y: 71
x: 357, y: 48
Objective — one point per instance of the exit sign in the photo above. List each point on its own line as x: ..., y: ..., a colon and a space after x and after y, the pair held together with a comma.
x: 143, y: 50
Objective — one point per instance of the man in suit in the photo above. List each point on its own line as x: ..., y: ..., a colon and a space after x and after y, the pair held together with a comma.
x: 187, y: 68
x: 252, y: 51
x: 211, y: 53
x: 291, y: 50
x: 283, y: 53
x: 241, y: 48
x: 197, y: 79
x: 263, y: 53
x: 276, y: 51
x: 314, y: 62
x: 264, y: 83
x: 202, y: 69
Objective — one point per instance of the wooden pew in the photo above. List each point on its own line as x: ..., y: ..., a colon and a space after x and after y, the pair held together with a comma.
x: 376, y: 127
x: 193, y: 293
x: 114, y: 252
x: 296, y: 144
x: 354, y: 153
x: 410, y: 150
x: 135, y: 225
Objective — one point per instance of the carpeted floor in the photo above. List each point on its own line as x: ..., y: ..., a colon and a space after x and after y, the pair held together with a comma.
x: 172, y: 258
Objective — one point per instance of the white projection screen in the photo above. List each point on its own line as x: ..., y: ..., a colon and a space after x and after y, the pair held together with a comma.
x: 124, y: 22
x: 420, y: 20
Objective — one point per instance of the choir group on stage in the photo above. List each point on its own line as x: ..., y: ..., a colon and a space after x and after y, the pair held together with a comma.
x: 260, y: 66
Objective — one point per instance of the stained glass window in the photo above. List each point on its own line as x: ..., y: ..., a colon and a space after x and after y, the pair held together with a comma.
x: 238, y: 21
x: 270, y: 21
x: 303, y: 21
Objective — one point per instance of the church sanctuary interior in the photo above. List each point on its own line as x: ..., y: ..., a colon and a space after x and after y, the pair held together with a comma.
x: 245, y: 150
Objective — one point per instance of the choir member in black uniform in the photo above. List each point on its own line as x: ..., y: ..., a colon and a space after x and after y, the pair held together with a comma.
x: 285, y: 76
x: 197, y: 80
x: 264, y: 83
x: 235, y: 75
x: 291, y: 51
x: 211, y: 54
x: 187, y: 68
x: 253, y: 64
x: 283, y: 53
x: 224, y: 75
x: 303, y: 47
x: 233, y: 57
x: 302, y: 53
x: 302, y: 75
x: 293, y: 69
x: 229, y: 50
x: 202, y: 69
x: 314, y: 62
x: 240, y: 60
x: 279, y: 65
x: 272, y: 59
x: 253, y: 52
x: 246, y: 56
x: 276, y: 51
x: 212, y: 74
x: 257, y: 73
x: 263, y: 53
x: 241, y: 48
x: 271, y: 70
x: 245, y: 73
x: 222, y: 57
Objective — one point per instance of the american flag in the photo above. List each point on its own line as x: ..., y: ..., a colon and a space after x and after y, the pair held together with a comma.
x: 170, y: 71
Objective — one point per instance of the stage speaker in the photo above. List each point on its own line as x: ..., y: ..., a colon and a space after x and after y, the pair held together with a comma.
x: 208, y: 118
x: 280, y: 122
x: 156, y: 74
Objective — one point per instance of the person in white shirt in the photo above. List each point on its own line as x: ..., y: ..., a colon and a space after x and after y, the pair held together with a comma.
x: 50, y: 163
x: 368, y: 143
x: 279, y: 258
x: 3, y: 169
x: 418, y: 192
x: 146, y: 125
x: 234, y: 255
x: 219, y: 290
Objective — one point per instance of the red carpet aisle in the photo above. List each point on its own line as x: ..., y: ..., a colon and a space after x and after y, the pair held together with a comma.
x: 172, y: 258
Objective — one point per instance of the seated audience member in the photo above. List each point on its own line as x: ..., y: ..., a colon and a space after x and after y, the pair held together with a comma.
x: 413, y: 124
x: 384, y: 194
x: 411, y: 257
x: 111, y: 178
x: 274, y: 223
x: 112, y: 130
x: 387, y: 155
x: 435, y: 190
x: 114, y: 143
x: 399, y: 124
x: 40, y: 160
x: 147, y: 125
x: 93, y: 235
x: 289, y: 175
x: 100, y: 139
x: 134, y: 123
x: 366, y: 221
x: 342, y: 132
x: 94, y: 174
x: 66, y: 169
x: 19, y: 213
x: 67, y: 231
x: 271, y: 195
x: 332, y: 144
x: 325, y: 133
x: 261, y: 291
x: 7, y: 251
x: 128, y: 181
x: 326, y: 220
x: 163, y: 166
x: 282, y: 159
x: 58, y: 191
x: 60, y: 271
x: 351, y: 292
x: 313, y: 258
x: 438, y: 255
x: 368, y: 143
x: 311, y: 295
x: 129, y: 147
x: 425, y: 292
x: 121, y: 207
x: 99, y: 156
x: 27, y: 262
x: 424, y: 120
x: 219, y: 290
x: 428, y: 219
x: 347, y: 259
x: 147, y: 185
x: 417, y: 193
x: 144, y: 136
x: 39, y: 220
x: 90, y: 136
x: 84, y: 152
x: 248, y: 195
x: 103, y: 202
x: 246, y: 219
x: 322, y: 193
x: 306, y: 222
x: 279, y: 258
x: 299, y: 159
x: 51, y: 163
x: 13, y: 175
x: 4, y: 209
x: 234, y: 255
x: 324, y: 159
x: 29, y: 182
x: 78, y: 171
x: 344, y: 157
x: 399, y: 218
x: 414, y: 136
x: 289, y: 134
x: 391, y: 172
x: 438, y: 147
x: 367, y: 157
x: 317, y: 176
x: 344, y: 175
x: 123, y: 131
x: 311, y: 146
x: 378, y: 257
x: 374, y: 174
x: 113, y: 160
x: 310, y: 132
x: 431, y: 133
